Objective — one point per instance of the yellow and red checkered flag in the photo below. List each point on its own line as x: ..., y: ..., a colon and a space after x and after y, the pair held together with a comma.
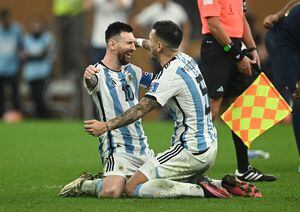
x: 256, y: 110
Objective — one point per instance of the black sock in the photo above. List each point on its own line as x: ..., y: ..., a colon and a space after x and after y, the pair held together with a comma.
x: 296, y: 124
x: 241, y: 153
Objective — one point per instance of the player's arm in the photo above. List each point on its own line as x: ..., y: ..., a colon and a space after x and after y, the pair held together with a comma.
x: 90, y: 77
x: 270, y: 20
x: 96, y: 128
x: 140, y: 42
x: 217, y: 31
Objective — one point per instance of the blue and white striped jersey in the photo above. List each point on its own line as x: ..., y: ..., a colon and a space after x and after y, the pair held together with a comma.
x: 114, y: 93
x: 181, y: 87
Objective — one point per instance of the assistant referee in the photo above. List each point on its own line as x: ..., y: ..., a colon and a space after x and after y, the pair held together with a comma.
x: 225, y: 68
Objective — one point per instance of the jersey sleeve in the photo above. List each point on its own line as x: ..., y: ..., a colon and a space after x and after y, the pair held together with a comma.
x: 95, y: 89
x: 163, y: 89
x: 146, y: 79
x: 97, y: 86
x: 210, y: 8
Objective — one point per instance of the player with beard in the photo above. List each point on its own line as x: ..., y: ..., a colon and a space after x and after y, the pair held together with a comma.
x: 179, y: 85
x: 114, y: 84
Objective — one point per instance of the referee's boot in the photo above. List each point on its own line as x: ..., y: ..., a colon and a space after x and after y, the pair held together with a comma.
x: 254, y: 175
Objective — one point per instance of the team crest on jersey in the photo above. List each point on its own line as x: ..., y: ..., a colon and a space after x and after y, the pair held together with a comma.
x: 153, y: 87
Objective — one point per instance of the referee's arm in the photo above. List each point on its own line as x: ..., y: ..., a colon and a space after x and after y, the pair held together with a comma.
x: 223, y: 39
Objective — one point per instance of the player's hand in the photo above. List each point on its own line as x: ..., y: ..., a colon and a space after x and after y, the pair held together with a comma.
x: 94, y: 127
x: 270, y: 20
x: 245, y: 65
x: 90, y: 71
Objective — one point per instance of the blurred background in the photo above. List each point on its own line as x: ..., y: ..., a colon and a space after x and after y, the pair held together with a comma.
x: 54, y: 40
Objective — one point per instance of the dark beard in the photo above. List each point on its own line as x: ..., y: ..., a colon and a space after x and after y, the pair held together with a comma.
x: 122, y: 59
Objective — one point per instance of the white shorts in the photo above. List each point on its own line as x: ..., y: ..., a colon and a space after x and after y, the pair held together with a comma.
x: 124, y: 164
x: 179, y: 164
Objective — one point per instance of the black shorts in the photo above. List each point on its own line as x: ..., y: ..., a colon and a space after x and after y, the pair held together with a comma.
x: 220, y: 72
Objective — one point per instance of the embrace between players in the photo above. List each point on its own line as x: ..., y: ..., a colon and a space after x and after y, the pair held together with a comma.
x: 130, y: 166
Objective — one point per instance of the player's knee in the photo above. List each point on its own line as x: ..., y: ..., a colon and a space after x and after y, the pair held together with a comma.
x: 112, y: 192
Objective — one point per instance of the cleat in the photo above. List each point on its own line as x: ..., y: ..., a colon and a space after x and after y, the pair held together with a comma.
x: 239, y: 188
x: 73, y: 189
x: 210, y: 190
x: 98, y: 175
x: 253, y: 175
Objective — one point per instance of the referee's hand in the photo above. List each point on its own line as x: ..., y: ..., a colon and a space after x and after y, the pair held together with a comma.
x: 90, y: 71
x: 245, y: 65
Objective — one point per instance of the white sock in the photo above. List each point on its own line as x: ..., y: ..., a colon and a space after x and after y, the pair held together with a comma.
x: 92, y: 187
x: 160, y: 188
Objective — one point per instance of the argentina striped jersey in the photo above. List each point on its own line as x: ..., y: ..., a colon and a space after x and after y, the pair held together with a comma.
x: 181, y: 87
x: 115, y: 92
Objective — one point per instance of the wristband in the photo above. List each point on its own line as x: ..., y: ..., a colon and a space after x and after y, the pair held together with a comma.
x: 234, y: 51
x: 228, y: 47
x: 139, y: 42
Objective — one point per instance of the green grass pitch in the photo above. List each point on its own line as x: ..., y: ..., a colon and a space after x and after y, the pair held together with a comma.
x: 37, y: 158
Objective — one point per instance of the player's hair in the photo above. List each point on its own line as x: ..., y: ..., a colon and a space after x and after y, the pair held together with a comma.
x: 115, y: 29
x: 169, y: 32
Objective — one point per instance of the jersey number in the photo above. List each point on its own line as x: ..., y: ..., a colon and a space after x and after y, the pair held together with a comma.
x: 204, y: 91
x: 129, y: 96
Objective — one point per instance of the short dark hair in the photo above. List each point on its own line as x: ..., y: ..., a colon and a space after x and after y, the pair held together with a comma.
x: 115, y: 29
x: 169, y: 32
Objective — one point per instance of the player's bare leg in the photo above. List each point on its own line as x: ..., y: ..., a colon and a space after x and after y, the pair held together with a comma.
x: 86, y: 185
x: 113, y: 187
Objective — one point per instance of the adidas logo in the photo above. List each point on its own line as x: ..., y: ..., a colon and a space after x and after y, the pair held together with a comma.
x: 238, y: 57
x: 220, y: 89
